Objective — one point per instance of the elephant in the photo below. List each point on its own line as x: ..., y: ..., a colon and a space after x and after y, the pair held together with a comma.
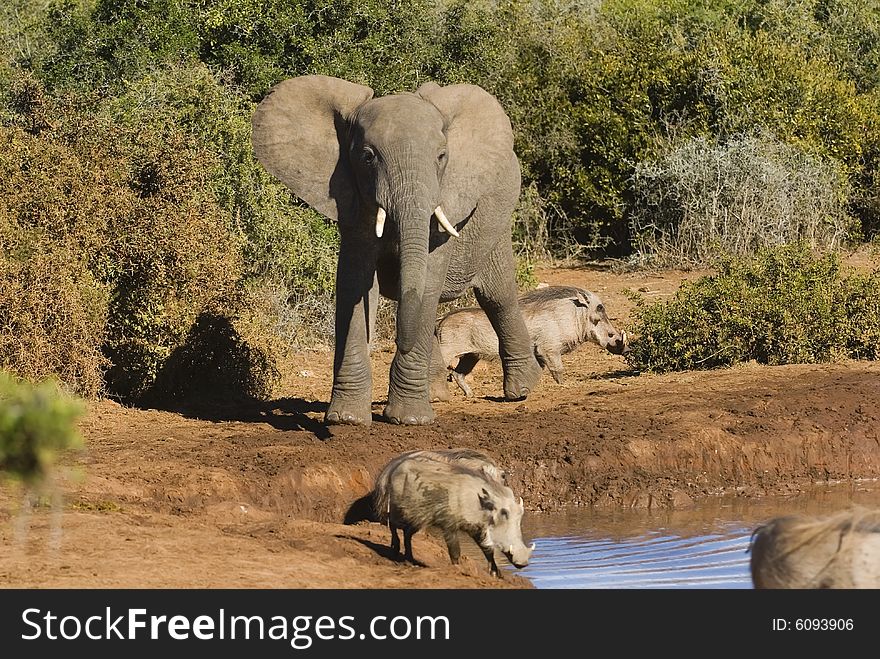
x: 384, y: 168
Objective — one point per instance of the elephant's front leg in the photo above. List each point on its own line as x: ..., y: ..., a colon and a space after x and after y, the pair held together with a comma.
x: 497, y: 295
x: 357, y: 294
x: 409, y: 388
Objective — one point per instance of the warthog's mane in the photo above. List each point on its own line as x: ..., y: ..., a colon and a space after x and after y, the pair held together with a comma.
x: 804, y: 530
x: 549, y: 295
x: 539, y: 299
x: 460, y: 460
x: 800, y: 532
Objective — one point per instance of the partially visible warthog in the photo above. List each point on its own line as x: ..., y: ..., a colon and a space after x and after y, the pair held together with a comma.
x: 559, y: 319
x: 840, y: 551
x: 434, y: 488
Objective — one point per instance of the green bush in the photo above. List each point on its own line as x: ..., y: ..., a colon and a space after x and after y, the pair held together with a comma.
x: 36, y: 421
x: 592, y: 88
x: 53, y: 315
x: 784, y: 306
x: 131, y: 207
x: 106, y: 44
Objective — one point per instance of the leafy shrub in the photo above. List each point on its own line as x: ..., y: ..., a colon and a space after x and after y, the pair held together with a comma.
x: 108, y: 43
x: 784, y: 306
x: 592, y: 88
x: 53, y: 315
x: 36, y: 421
x: 735, y: 198
x: 23, y: 30
x: 134, y: 204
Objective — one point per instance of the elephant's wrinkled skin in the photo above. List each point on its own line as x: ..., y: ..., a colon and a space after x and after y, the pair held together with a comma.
x: 385, y: 168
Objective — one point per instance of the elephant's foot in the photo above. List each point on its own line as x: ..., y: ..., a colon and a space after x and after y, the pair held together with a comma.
x: 409, y: 412
x: 349, y: 411
x: 520, y: 377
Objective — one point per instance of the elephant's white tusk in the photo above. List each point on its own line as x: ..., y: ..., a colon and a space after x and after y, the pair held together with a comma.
x: 380, y: 222
x: 444, y: 222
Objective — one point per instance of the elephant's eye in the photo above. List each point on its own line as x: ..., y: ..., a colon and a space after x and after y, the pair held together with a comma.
x: 442, y: 157
x: 369, y: 155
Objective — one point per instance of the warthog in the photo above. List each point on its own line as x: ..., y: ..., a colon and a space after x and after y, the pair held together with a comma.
x: 839, y: 551
x: 457, y: 490
x: 559, y: 319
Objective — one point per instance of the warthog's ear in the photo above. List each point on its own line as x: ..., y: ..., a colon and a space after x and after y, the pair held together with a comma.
x: 492, y: 472
x: 579, y: 302
x: 486, y: 501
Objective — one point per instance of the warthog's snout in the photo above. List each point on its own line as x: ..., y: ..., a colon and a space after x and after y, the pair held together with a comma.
x: 617, y: 344
x: 519, y: 558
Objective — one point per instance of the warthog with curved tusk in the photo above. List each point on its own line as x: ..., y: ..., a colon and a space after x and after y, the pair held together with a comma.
x: 558, y: 318
x: 455, y: 490
x: 839, y: 551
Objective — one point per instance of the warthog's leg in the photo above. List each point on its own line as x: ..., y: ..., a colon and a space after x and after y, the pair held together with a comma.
x: 466, y: 364
x: 395, y: 539
x: 453, y: 545
x: 439, y: 391
x: 407, y: 543
x: 489, y: 553
x: 554, y: 364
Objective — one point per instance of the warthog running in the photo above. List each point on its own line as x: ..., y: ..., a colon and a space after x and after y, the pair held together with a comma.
x: 559, y: 319
x: 456, y: 490
x: 840, y: 551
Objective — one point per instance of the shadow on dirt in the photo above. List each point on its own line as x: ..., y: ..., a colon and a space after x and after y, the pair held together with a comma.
x: 217, y: 375
x: 361, y: 510
x: 615, y: 375
x: 502, y: 399
x: 281, y: 414
x: 382, y: 550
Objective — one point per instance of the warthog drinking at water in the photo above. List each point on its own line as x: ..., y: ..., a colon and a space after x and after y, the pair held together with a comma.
x: 457, y: 490
x: 840, y: 551
x: 559, y: 319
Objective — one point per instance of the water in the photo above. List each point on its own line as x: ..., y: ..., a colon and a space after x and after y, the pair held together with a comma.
x: 699, y: 547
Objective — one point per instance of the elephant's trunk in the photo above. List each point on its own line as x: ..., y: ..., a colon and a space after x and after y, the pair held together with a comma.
x: 414, y: 226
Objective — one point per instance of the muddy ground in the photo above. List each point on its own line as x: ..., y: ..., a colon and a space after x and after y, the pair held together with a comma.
x: 256, y: 496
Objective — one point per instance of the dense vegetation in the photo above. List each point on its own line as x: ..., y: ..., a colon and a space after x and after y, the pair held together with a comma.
x: 783, y: 306
x: 144, y: 253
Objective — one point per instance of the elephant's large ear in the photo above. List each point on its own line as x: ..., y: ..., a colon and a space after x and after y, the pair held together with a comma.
x: 479, y: 141
x: 297, y: 132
